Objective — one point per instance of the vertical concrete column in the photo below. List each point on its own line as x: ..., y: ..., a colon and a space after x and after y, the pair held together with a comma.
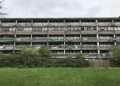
x: 64, y: 37
x: 80, y: 39
x: 114, y: 35
x: 48, y: 34
x: 97, y: 36
x: 14, y: 45
x: 31, y: 34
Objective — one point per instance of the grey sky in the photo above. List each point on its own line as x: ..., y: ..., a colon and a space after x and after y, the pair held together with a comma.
x: 62, y: 8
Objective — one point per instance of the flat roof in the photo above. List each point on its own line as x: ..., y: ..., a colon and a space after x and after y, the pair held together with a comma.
x: 83, y: 19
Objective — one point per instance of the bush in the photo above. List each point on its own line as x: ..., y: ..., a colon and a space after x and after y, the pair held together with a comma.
x: 31, y: 57
x: 78, y: 61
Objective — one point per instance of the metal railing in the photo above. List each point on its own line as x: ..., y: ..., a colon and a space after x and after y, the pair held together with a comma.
x: 7, y: 39
x: 89, y: 38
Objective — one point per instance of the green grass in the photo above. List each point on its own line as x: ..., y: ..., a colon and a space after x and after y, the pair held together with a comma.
x: 60, y: 77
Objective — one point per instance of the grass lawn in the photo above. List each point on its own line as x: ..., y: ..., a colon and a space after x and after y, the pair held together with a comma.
x: 60, y: 77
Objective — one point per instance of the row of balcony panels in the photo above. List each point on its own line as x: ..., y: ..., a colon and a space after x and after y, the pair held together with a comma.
x: 63, y: 24
x: 58, y: 40
x: 59, y: 48
x: 60, y: 32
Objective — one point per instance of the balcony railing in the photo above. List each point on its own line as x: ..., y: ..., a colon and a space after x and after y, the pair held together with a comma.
x: 89, y: 47
x: 72, y: 24
x: 106, y: 39
x: 105, y: 46
x: 88, y: 24
x: 57, y: 47
x: 106, y: 32
x: 40, y: 24
x: 116, y: 23
x: 72, y: 53
x: 24, y: 24
x: 105, y: 55
x: 72, y: 47
x: 8, y: 24
x: 89, y: 32
x: 56, y: 24
x: 72, y: 38
x: 89, y: 39
x: 6, y: 39
x: 22, y: 46
x: 23, y: 39
x: 117, y: 39
x: 105, y: 24
x: 6, y: 47
x: 55, y: 39
x: 39, y: 39
x: 61, y: 54
x: 90, y: 55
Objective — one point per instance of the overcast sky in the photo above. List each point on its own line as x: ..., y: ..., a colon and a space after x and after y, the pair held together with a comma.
x: 62, y: 8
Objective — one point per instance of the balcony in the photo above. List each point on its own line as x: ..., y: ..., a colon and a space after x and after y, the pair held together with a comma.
x: 58, y: 54
x: 40, y: 24
x: 116, y: 23
x: 56, y: 32
x: 105, y: 24
x: 24, y: 24
x: 72, y: 53
x: 20, y: 47
x: 89, y: 39
x: 106, y: 39
x: 40, y: 32
x: 118, y: 39
x: 68, y: 32
x: 6, y: 39
x: 72, y: 39
x: 89, y: 32
x: 23, y: 39
x: 72, y: 47
x: 57, y: 47
x: 23, y: 32
x: 105, y: 47
x: 73, y: 24
x: 7, y: 32
x: 7, y: 47
x: 89, y: 47
x: 8, y: 25
x: 39, y: 39
x: 56, y: 24
x: 88, y: 24
x: 106, y: 32
x: 90, y: 55
x: 105, y: 55
x: 56, y: 39
x: 117, y: 32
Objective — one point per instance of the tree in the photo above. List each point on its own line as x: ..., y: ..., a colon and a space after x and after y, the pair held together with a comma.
x: 30, y: 52
x: 116, y: 56
x: 44, y: 52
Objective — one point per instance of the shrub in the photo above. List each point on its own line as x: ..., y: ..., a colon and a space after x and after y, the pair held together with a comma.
x: 31, y: 57
x: 78, y: 61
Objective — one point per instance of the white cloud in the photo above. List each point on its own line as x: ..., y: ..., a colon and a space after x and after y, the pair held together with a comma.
x: 62, y: 8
